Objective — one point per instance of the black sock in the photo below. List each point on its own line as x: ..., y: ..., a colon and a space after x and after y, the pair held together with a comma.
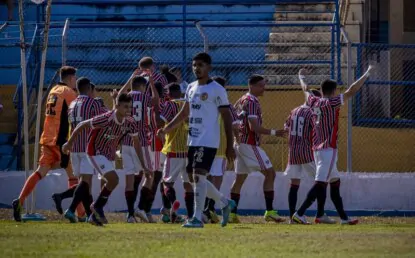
x: 130, y: 199
x: 164, y: 198
x: 87, y: 201
x: 337, y: 199
x: 311, y: 197
x: 292, y: 198
x: 68, y: 193
x: 189, y: 200
x: 137, y: 181
x: 269, y: 199
x: 235, y: 197
x: 211, y: 205
x: 170, y: 193
x: 207, y: 200
x: 321, y: 200
x: 144, y: 196
x: 80, y: 192
x: 156, y: 181
x: 102, y: 198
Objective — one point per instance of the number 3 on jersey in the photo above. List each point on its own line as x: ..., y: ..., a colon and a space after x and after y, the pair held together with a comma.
x: 137, y: 110
x: 297, y: 126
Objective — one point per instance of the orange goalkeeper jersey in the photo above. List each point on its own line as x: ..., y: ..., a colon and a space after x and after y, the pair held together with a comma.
x: 56, y: 125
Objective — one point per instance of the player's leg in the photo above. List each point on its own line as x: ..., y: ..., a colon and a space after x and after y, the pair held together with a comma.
x: 174, y: 167
x: 157, y: 175
x: 335, y: 196
x: 49, y: 156
x: 293, y: 172
x: 72, y: 181
x: 130, y: 165
x: 215, y: 177
x: 318, y: 191
x: 81, y: 196
x: 107, y: 170
x: 146, y: 193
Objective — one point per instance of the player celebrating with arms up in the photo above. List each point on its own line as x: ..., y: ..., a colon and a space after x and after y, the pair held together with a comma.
x: 107, y: 130
x: 205, y: 99
x: 326, y: 124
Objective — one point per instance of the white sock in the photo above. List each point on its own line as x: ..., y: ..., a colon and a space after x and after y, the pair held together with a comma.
x: 200, y: 196
x: 216, y: 195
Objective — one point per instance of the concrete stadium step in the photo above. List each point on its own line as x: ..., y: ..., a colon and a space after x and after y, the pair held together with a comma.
x: 304, y: 11
x: 298, y: 56
x: 300, y: 47
x: 301, y: 26
x: 280, y: 37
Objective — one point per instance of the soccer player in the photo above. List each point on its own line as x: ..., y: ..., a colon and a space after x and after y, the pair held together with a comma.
x: 132, y: 166
x: 205, y: 100
x: 84, y: 107
x: 55, y: 133
x: 107, y: 131
x: 175, y: 150
x: 300, y: 156
x: 326, y: 124
x: 147, y: 64
x: 219, y: 164
x: 250, y: 157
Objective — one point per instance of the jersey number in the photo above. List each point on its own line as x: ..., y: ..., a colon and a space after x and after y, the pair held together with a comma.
x: 137, y: 110
x: 317, y: 112
x: 298, y: 126
x: 51, y: 104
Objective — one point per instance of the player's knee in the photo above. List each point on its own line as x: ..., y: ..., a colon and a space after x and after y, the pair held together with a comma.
x: 270, y: 173
x: 295, y: 181
x: 199, y: 171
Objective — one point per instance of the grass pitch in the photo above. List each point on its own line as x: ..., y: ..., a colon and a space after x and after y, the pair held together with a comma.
x: 374, y: 237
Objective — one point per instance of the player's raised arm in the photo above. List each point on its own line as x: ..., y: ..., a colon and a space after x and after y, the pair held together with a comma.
x: 155, y: 97
x: 304, y: 85
x: 355, y: 87
x: 127, y: 85
x: 81, y: 126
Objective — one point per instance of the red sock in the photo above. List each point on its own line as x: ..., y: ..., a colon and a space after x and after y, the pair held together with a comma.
x: 29, y: 186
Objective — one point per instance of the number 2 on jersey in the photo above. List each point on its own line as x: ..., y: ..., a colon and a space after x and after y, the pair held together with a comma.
x: 297, y: 126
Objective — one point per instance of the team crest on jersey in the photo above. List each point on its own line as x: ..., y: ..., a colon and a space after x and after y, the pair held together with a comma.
x: 204, y: 96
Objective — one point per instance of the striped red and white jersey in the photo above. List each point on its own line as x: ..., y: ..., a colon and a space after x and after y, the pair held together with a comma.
x: 300, y: 132
x: 155, y: 142
x: 235, y: 118
x: 326, y: 121
x: 81, y: 109
x: 102, y: 105
x: 249, y: 106
x: 157, y: 77
x: 141, y: 104
x: 107, y: 132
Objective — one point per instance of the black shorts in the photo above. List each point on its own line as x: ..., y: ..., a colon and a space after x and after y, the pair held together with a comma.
x: 200, y: 157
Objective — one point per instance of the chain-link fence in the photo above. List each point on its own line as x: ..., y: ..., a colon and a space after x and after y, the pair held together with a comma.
x: 383, y: 111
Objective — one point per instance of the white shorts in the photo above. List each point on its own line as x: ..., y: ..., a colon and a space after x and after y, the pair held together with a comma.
x: 173, y: 168
x: 250, y: 158
x: 218, y: 167
x: 157, y: 160
x: 80, y: 164
x: 326, y: 162
x: 298, y: 170
x: 130, y: 162
x: 101, y: 164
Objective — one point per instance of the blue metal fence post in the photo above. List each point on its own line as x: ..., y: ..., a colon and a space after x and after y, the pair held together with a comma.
x: 339, y: 48
x: 333, y: 56
x: 184, y: 39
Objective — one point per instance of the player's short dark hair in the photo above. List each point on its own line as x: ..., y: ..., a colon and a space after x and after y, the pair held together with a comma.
x: 93, y: 86
x: 159, y: 89
x: 169, y: 76
x: 124, y: 98
x: 146, y: 62
x: 219, y: 79
x: 204, y: 57
x: 316, y: 93
x: 175, y: 69
x: 66, y: 71
x: 138, y: 81
x: 255, y: 78
x: 174, y: 88
x: 328, y: 86
x: 83, y: 85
